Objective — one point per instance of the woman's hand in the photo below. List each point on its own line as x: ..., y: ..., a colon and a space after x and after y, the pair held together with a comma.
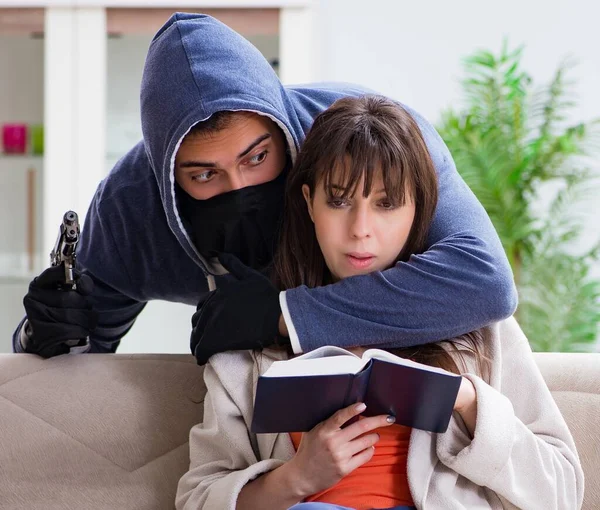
x: 466, y: 404
x: 466, y: 395
x: 328, y: 453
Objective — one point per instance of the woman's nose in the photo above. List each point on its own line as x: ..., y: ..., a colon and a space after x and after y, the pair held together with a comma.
x: 360, y: 223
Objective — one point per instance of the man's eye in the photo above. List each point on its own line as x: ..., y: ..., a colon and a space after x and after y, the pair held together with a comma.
x: 204, y: 176
x: 258, y: 158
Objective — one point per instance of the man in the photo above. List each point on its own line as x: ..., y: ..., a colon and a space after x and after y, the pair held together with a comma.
x: 205, y: 190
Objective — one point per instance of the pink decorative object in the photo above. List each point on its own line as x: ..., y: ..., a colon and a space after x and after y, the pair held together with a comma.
x: 14, y: 138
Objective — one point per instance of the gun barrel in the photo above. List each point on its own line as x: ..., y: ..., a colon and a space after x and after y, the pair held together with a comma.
x: 64, y: 251
x: 70, y: 218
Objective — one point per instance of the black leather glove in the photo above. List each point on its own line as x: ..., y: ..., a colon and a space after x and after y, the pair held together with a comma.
x: 55, y: 315
x: 242, y: 313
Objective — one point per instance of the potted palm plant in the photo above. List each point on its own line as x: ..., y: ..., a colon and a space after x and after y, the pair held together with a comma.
x: 514, y: 147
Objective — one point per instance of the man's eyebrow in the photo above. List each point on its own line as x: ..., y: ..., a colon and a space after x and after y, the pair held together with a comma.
x: 194, y: 164
x: 212, y: 164
x: 254, y: 144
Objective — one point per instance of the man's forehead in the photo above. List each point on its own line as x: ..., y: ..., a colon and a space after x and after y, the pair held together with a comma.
x: 242, y: 132
x: 227, y: 119
x: 234, y: 126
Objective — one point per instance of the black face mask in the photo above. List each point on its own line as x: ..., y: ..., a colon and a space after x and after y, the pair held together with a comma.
x: 243, y: 222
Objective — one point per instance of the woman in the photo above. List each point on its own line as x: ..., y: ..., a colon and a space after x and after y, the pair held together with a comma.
x: 360, y: 198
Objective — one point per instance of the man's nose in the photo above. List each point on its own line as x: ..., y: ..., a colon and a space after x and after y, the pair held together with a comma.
x: 237, y: 180
x: 360, y: 223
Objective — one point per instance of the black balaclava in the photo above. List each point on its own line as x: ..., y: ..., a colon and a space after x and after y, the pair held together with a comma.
x: 244, y: 222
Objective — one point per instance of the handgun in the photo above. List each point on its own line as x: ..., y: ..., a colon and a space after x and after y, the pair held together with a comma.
x: 64, y: 252
x: 64, y: 249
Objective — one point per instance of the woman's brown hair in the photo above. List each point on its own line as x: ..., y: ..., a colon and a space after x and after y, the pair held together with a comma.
x: 360, y: 138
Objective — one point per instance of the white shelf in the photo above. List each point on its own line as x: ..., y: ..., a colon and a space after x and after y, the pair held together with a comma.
x: 24, y: 155
x: 14, y: 267
x: 16, y: 277
x: 22, y: 158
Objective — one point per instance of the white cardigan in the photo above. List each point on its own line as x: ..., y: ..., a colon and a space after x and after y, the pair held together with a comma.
x: 522, y: 454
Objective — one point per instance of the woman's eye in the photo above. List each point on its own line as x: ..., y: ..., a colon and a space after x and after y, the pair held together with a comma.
x: 387, y: 204
x: 204, y: 176
x: 258, y: 158
x: 336, y: 203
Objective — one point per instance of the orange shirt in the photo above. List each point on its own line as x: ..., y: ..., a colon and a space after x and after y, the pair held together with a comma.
x: 381, y: 482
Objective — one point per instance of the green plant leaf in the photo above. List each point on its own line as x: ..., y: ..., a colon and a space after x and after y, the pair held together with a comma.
x: 509, y: 140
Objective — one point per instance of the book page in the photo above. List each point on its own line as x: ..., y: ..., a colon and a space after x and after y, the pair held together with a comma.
x: 325, y: 351
x: 392, y: 358
x: 329, y: 365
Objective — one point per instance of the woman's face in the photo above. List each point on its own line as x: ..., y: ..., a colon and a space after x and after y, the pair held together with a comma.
x: 359, y: 235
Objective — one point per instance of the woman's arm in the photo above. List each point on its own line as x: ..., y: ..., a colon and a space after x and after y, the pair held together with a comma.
x: 521, y: 447
x: 278, y: 487
x: 222, y: 457
x: 225, y: 472
x: 461, y: 283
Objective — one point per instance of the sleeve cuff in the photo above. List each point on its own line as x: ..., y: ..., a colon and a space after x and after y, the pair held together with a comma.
x: 294, y: 340
x: 223, y: 493
x: 81, y: 349
x: 21, y: 338
x: 488, y: 452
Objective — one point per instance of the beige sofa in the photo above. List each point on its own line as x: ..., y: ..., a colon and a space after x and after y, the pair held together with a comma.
x: 104, y: 432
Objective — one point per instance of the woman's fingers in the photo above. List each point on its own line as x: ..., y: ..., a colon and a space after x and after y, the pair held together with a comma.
x: 354, y: 439
x: 342, y: 416
x: 361, y: 443
x: 360, y: 427
x: 340, y: 450
x: 365, y: 426
x: 360, y: 458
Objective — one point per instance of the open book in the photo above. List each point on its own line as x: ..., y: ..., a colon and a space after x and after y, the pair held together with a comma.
x: 297, y: 394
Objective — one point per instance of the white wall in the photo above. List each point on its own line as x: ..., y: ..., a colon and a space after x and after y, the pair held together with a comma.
x: 412, y: 50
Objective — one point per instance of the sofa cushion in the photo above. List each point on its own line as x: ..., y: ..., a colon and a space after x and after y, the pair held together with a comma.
x: 96, y: 431
x: 110, y: 431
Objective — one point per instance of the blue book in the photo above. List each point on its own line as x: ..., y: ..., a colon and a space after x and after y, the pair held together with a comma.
x: 296, y: 394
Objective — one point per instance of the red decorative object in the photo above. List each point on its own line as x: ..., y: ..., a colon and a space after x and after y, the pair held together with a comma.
x: 14, y: 138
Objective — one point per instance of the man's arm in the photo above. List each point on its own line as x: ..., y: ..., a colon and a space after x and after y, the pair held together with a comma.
x: 461, y: 283
x: 116, y: 316
x: 101, y: 258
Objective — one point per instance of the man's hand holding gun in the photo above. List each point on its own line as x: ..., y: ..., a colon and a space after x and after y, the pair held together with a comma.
x: 60, y: 316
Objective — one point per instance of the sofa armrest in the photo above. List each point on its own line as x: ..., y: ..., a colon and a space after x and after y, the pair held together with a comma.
x: 574, y: 380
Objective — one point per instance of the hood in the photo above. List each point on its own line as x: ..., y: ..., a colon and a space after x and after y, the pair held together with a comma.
x: 197, y: 66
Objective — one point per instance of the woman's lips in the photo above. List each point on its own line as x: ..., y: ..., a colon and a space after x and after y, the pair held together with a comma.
x: 360, y: 260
